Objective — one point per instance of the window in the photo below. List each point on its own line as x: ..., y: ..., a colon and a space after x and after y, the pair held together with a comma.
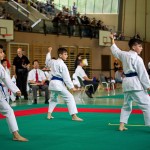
x: 90, y: 6
x: 115, y: 5
x: 107, y: 6
x: 98, y: 6
x: 64, y: 3
x: 81, y: 6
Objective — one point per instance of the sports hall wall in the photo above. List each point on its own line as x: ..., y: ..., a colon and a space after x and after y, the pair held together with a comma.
x: 136, y: 18
x: 40, y: 40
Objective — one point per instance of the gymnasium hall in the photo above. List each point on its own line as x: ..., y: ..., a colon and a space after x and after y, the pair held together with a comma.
x: 83, y: 27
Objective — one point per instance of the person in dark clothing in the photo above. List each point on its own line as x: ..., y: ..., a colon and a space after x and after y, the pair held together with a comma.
x: 116, y: 65
x: 148, y: 71
x: 20, y: 66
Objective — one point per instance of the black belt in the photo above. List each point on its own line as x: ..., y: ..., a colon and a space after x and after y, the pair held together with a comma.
x: 133, y: 74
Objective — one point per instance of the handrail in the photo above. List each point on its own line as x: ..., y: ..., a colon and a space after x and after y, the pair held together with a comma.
x: 32, y: 2
x: 38, y: 21
x: 20, y: 6
x: 23, y: 10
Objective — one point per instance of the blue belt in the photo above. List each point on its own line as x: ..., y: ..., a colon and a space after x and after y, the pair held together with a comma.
x: 57, y: 78
x: 2, y: 88
x: 131, y: 74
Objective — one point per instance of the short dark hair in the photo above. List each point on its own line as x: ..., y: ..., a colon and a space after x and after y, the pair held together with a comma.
x: 134, y: 41
x: 61, y: 50
x: 1, y: 46
x: 35, y: 61
x: 2, y: 61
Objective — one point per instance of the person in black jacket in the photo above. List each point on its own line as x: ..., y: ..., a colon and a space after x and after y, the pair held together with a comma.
x: 20, y: 66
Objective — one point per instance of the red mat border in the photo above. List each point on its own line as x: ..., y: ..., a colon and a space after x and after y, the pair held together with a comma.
x: 35, y: 111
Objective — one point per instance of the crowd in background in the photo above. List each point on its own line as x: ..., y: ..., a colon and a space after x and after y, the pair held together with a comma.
x: 67, y: 21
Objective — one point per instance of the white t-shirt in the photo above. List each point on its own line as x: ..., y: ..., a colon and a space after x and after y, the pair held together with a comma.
x: 80, y: 72
x: 32, y: 75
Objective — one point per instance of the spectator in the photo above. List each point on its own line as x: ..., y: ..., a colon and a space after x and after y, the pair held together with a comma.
x: 86, y: 80
x: 119, y: 75
x: 78, y: 57
x: 74, y: 9
x: 18, y: 25
x: 36, y: 79
x: 26, y: 25
x: 137, y: 36
x: 116, y: 65
x: 20, y: 66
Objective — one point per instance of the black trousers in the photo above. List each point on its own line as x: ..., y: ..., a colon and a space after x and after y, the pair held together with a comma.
x: 95, y: 85
x: 21, y: 81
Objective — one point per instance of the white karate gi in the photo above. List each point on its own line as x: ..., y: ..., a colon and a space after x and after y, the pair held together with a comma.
x: 134, y: 87
x: 5, y: 108
x: 5, y: 87
x: 57, y: 87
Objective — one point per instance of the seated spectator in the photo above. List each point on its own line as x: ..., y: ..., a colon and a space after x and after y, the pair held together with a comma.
x: 86, y: 80
x: 36, y: 80
x: 116, y: 65
x: 78, y: 57
x: 119, y: 75
x: 137, y: 36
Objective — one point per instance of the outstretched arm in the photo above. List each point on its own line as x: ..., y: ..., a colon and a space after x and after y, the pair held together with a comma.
x: 112, y: 39
x: 114, y: 49
x: 48, y: 57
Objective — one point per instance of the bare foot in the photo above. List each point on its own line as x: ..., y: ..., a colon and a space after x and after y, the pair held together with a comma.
x: 122, y: 128
x: 49, y: 116
x: 75, y: 118
x: 20, y: 138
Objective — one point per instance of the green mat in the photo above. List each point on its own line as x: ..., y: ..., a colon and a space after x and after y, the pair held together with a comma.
x: 119, y: 96
x: 63, y: 134
x: 24, y: 107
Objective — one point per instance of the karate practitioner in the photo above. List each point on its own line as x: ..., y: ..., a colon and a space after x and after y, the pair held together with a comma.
x: 5, y: 108
x: 135, y: 83
x: 6, y: 90
x: 60, y: 77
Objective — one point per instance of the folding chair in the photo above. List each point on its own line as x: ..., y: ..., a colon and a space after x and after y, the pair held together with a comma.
x: 104, y: 82
x: 30, y: 94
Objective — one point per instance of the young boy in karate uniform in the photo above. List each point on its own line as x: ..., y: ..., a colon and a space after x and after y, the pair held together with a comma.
x: 135, y: 83
x: 5, y: 108
x: 6, y: 90
x: 60, y: 77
